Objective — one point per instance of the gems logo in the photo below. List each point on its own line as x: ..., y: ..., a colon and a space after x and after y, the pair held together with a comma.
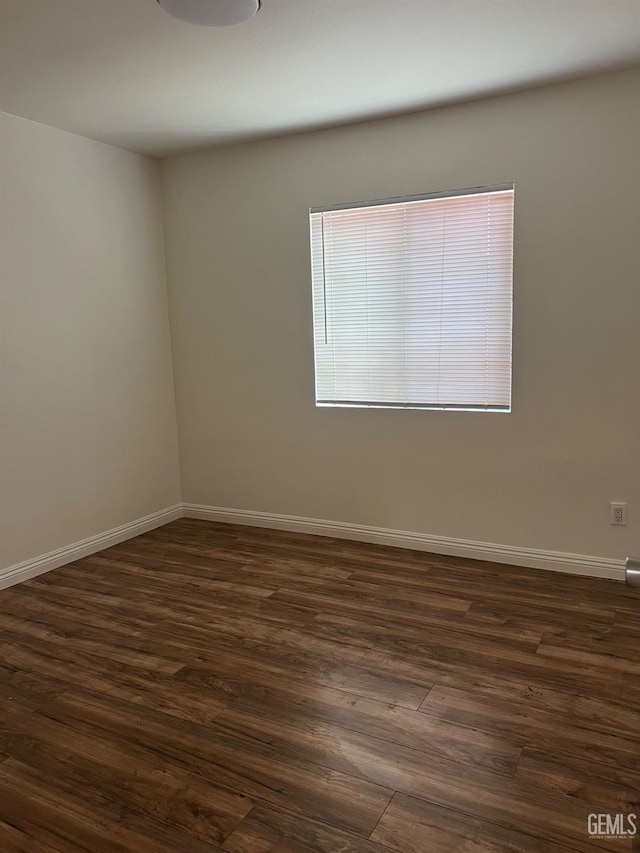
x: 612, y: 826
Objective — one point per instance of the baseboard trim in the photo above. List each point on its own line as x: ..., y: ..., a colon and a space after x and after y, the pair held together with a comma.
x: 54, y: 559
x: 578, y: 564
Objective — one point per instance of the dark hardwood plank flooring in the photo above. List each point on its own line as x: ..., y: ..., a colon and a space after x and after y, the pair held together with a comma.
x: 208, y: 687
x: 409, y: 825
x: 265, y: 831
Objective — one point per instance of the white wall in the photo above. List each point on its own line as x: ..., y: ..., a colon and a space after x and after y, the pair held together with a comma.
x: 87, y: 416
x: 240, y: 296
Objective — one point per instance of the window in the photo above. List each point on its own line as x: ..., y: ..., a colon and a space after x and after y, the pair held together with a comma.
x: 412, y: 302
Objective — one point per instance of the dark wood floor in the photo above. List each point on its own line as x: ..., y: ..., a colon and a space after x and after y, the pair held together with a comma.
x: 215, y: 688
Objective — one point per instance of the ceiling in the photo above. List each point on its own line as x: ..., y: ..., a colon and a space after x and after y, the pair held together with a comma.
x: 124, y: 72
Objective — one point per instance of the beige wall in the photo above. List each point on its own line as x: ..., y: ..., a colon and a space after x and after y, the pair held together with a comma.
x: 87, y: 417
x: 240, y: 295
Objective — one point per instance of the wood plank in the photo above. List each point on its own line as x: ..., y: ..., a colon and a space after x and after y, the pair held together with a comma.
x: 492, y: 582
x: 238, y: 674
x: 393, y: 608
x: 182, y: 630
x: 495, y: 666
x: 411, y: 825
x: 14, y: 840
x: 517, y: 695
x: 158, y: 693
x: 580, y: 653
x: 30, y: 687
x: 537, y: 728
x: 552, y: 818
x: 631, y: 693
x: 49, y: 661
x: 198, y: 636
x: 303, y: 701
x: 489, y: 796
x: 106, y: 773
x: 96, y: 642
x: 266, y: 831
x: 607, y: 788
x: 376, y: 758
x: 30, y: 804
x: 233, y: 762
x: 414, y: 628
x: 616, y: 642
x: 545, y: 618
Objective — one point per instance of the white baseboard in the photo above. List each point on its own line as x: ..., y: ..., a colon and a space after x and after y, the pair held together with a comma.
x: 578, y: 564
x: 54, y: 559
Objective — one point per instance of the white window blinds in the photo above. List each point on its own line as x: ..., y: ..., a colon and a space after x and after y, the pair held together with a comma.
x: 413, y: 300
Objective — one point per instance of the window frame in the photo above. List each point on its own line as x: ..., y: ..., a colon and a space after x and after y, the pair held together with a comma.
x: 408, y: 199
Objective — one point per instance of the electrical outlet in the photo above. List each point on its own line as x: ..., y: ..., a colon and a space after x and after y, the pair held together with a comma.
x: 618, y: 513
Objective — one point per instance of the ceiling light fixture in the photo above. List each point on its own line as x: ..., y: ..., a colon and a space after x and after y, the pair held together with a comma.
x: 211, y: 13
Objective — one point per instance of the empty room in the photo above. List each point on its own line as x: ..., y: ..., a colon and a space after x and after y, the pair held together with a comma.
x: 319, y: 426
